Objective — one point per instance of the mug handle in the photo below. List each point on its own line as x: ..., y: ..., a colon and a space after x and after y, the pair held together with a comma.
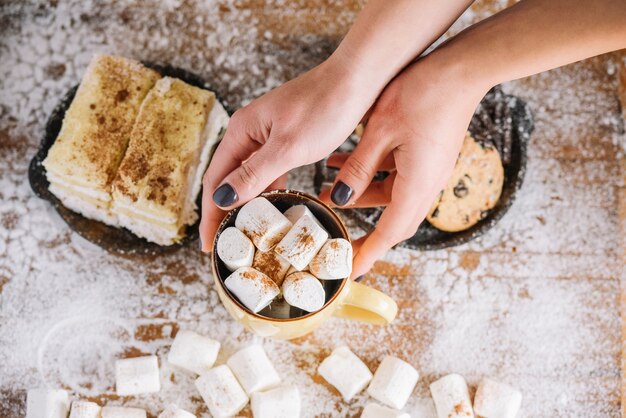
x: 362, y: 303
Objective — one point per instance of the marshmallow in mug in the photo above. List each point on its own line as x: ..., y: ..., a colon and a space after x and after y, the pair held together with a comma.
x: 373, y: 410
x: 280, y: 402
x: 253, y: 369
x: 235, y: 249
x: 393, y: 382
x: 137, y: 375
x: 333, y: 261
x: 85, y: 409
x: 253, y: 288
x: 47, y: 403
x: 122, y: 412
x: 173, y: 411
x: 193, y: 352
x: 496, y: 400
x: 304, y: 291
x: 272, y: 265
x: 221, y: 391
x: 262, y: 223
x: 297, y: 211
x: 451, y: 397
x: 302, y: 242
x: 345, y: 371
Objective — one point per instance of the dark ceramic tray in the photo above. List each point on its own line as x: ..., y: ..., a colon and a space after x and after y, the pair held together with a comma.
x: 115, y: 240
x: 501, y: 119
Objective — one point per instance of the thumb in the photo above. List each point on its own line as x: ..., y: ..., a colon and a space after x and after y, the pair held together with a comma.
x: 253, y: 176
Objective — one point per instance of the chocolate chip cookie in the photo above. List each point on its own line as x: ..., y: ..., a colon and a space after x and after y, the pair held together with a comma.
x: 474, y: 188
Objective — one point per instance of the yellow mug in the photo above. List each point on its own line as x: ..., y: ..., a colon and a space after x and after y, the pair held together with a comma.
x: 349, y: 300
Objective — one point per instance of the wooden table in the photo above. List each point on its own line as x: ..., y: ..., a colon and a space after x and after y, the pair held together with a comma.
x: 535, y: 302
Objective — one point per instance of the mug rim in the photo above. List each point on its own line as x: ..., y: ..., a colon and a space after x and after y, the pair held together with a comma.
x: 230, y: 213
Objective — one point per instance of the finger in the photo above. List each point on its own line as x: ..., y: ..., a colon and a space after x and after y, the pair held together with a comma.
x: 254, y: 175
x: 378, y: 193
x: 235, y: 147
x: 412, y: 194
x: 338, y: 159
x: 359, y: 169
x: 279, y: 183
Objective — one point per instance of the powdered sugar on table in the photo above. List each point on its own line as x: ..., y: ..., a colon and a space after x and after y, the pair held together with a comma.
x: 534, y: 303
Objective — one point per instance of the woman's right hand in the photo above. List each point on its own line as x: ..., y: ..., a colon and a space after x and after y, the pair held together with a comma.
x: 298, y: 123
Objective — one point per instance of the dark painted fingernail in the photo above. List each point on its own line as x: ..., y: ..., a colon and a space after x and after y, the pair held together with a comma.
x: 358, y: 279
x: 341, y: 193
x: 225, y: 195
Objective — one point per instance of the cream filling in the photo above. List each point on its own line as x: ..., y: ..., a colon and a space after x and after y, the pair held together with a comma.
x: 162, y: 235
x: 84, y: 207
x: 85, y: 190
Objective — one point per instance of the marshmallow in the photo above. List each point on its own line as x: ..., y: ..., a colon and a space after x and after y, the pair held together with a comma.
x: 121, y: 412
x: 302, y: 242
x: 253, y: 289
x: 373, y: 410
x: 47, y: 403
x: 262, y: 223
x: 345, y: 371
x: 451, y: 397
x: 496, y: 400
x: 173, y: 411
x: 333, y: 261
x: 296, y: 212
x: 281, y: 402
x: 393, y: 382
x: 221, y: 392
x: 193, y: 352
x: 235, y: 249
x: 272, y: 265
x: 134, y: 376
x: 84, y: 409
x: 304, y: 291
x: 253, y: 369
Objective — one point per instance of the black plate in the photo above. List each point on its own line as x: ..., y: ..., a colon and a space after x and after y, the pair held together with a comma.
x: 501, y: 119
x: 115, y: 240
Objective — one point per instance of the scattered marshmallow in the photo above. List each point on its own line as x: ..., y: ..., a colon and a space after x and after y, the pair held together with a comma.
x: 253, y: 369
x: 84, y: 409
x: 221, y: 392
x: 345, y: 371
x: 235, y: 249
x: 296, y: 212
x: 193, y: 352
x: 134, y: 376
x: 253, y: 288
x: 451, y: 397
x: 393, y: 382
x: 47, y: 403
x: 281, y: 402
x: 373, y: 410
x: 496, y: 400
x: 302, y: 242
x: 304, y: 291
x: 272, y: 265
x: 333, y: 261
x: 262, y: 223
x: 173, y: 411
x: 122, y: 412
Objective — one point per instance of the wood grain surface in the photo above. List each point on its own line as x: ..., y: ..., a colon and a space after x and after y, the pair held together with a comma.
x: 538, y: 302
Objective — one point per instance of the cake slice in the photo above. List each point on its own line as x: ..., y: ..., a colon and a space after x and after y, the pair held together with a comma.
x: 160, y: 176
x: 83, y: 161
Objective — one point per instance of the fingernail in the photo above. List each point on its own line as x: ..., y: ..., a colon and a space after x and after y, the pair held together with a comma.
x: 341, y: 193
x: 358, y: 279
x: 225, y: 195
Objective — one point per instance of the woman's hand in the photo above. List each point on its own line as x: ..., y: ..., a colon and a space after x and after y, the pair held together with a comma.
x: 298, y: 123
x: 415, y: 131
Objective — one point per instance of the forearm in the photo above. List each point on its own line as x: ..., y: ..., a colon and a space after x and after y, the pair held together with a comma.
x: 534, y: 36
x: 388, y: 35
